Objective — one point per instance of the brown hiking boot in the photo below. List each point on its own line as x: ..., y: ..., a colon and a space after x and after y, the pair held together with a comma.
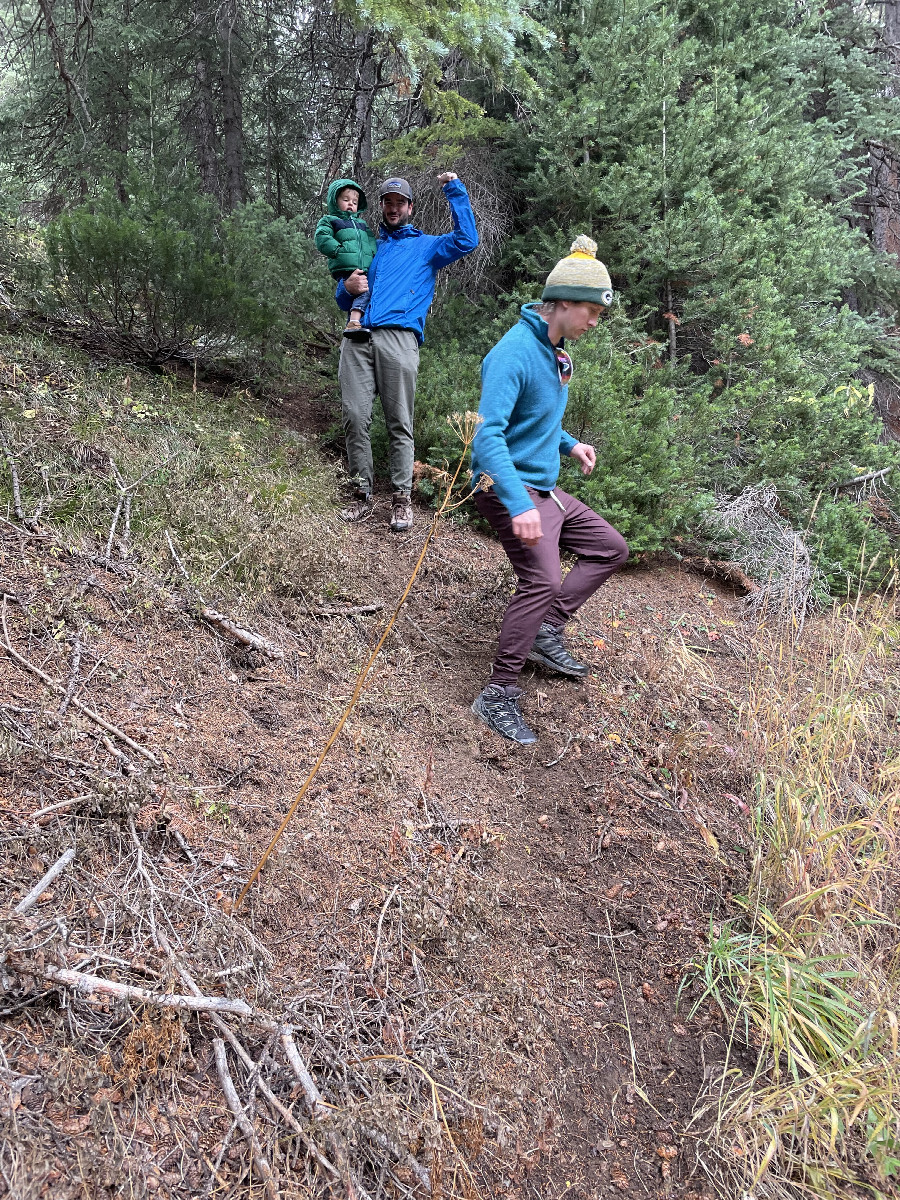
x: 401, y: 514
x: 360, y: 509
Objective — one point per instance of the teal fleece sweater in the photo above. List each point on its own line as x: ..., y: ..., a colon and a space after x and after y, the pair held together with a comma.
x: 521, y: 437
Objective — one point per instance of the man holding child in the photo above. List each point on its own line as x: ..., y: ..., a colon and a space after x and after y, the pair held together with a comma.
x: 381, y: 352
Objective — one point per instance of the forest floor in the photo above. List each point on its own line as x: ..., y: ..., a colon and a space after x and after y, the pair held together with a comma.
x: 484, y: 951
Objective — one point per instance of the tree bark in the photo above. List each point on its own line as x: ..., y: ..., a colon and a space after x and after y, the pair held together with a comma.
x: 234, y: 190
x: 202, y: 123
x: 363, y: 100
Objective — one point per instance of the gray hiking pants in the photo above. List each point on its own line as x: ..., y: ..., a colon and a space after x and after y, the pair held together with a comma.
x: 388, y: 365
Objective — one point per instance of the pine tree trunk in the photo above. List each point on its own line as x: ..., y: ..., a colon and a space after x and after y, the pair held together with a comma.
x: 203, y: 130
x: 362, y: 103
x: 234, y: 190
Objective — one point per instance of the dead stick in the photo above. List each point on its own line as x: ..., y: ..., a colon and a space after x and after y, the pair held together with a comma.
x: 243, y: 1121
x: 73, y: 677
x: 11, y: 463
x: 245, y: 636
x: 41, y: 886
x: 317, y: 1105
x: 58, y: 688
x: 51, y: 808
x: 126, y: 991
x: 112, y: 528
x: 322, y: 1112
x: 271, y: 1099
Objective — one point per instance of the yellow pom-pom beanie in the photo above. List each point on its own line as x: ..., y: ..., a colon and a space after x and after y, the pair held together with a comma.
x: 580, y: 276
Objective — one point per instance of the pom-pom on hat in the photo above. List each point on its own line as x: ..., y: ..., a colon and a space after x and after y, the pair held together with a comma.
x: 580, y: 276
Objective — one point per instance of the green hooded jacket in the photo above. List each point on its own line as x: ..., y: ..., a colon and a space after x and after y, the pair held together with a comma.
x: 345, y: 238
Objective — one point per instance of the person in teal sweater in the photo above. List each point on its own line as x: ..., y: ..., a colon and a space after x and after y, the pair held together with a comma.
x: 348, y: 243
x: 515, y: 466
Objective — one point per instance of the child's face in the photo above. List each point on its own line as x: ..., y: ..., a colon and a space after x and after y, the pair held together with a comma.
x: 348, y: 200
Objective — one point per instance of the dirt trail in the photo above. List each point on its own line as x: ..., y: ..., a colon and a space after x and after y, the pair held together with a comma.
x: 516, y: 921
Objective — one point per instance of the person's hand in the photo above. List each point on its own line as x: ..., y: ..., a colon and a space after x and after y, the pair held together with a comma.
x: 447, y: 177
x: 357, y: 283
x: 527, y: 527
x: 584, y: 454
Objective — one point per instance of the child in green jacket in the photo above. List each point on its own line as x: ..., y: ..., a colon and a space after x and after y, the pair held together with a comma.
x: 348, y: 243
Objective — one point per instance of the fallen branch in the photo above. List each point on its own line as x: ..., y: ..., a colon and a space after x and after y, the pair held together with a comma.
x: 254, y: 640
x: 347, y: 611
x: 728, y: 572
x: 243, y: 1121
x: 60, y: 690
x: 90, y: 984
x: 239, y: 1049
x: 321, y: 1112
x: 73, y: 677
x: 44, y: 882
x: 218, y: 620
x: 52, y: 808
x: 317, y: 1105
x: 864, y: 478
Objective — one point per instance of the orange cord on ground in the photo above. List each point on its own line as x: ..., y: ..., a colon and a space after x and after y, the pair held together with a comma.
x: 467, y: 431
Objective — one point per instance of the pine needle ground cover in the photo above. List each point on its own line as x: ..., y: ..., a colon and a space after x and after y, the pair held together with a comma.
x: 483, y: 957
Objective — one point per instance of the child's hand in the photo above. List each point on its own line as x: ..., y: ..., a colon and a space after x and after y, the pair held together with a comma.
x: 447, y: 177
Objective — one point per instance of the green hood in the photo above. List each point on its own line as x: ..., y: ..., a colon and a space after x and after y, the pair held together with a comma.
x: 339, y: 185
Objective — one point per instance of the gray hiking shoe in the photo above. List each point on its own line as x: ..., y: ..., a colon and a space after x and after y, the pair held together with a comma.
x: 401, y: 514
x: 498, y: 707
x: 549, y: 650
x: 360, y: 509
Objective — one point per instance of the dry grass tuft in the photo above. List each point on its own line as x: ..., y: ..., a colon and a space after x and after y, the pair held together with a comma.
x: 809, y: 974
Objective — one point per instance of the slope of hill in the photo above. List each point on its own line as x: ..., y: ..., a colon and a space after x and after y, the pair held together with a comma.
x: 466, y: 969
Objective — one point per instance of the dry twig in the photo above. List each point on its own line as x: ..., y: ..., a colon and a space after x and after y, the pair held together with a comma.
x: 60, y: 690
x: 243, y: 1121
x: 44, y: 882
x: 244, y: 636
x: 89, y: 984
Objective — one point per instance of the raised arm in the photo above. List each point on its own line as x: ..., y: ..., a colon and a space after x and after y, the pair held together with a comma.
x: 464, y: 236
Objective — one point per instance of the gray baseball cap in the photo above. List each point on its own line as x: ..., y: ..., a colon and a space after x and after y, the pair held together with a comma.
x: 397, y: 185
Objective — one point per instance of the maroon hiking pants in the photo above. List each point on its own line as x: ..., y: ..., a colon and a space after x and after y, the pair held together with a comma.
x: 542, y: 595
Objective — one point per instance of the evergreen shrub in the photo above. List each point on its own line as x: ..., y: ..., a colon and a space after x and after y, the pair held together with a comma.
x: 163, y: 272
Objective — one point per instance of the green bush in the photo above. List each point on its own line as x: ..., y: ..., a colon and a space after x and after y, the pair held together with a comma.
x: 853, y: 551
x: 163, y: 272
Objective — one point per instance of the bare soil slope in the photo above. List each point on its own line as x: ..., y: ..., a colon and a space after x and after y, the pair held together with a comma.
x: 480, y: 946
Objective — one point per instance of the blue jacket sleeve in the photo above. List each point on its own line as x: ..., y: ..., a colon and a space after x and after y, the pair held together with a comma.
x: 567, y: 443
x: 464, y: 237
x: 501, y: 384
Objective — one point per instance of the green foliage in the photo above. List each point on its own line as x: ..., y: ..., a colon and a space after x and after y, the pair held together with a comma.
x: 459, y: 124
x: 484, y: 32
x: 853, y: 550
x: 644, y: 479
x: 161, y: 271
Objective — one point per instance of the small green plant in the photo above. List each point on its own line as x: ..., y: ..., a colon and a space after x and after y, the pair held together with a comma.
x: 220, y: 810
